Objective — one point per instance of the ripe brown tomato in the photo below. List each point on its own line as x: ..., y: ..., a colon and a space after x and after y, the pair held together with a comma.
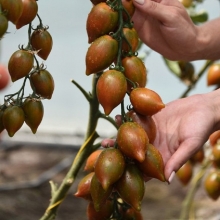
x: 109, y: 167
x: 111, y: 89
x: 213, y: 76
x: 131, y: 186
x: 185, y: 173
x: 132, y: 37
x: 216, y: 155
x: 4, y: 77
x: 146, y: 122
x: 135, y: 71
x: 20, y: 64
x: 129, y: 7
x: 146, y: 101
x: 91, y: 160
x: 13, y: 119
x: 34, y: 112
x: 42, y: 83
x: 132, y: 140
x: 153, y: 165
x: 214, y: 137
x: 198, y: 156
x: 101, y: 54
x: 101, y: 20
x: 13, y: 9
x: 131, y: 214
x: 3, y: 25
x: 212, y: 184
x: 103, y: 214
x: 30, y: 9
x: 2, y: 127
x: 83, y: 189
x: 99, y: 195
x: 42, y: 41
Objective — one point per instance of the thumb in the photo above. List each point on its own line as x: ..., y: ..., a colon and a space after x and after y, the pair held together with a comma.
x: 158, y: 10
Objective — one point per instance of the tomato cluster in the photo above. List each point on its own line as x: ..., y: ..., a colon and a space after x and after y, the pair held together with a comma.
x: 23, y: 64
x: 115, y: 185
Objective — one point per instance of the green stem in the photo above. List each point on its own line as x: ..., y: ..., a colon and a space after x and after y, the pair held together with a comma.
x: 188, y: 201
x: 201, y: 72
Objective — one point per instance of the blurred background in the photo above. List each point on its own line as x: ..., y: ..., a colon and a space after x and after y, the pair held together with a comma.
x: 26, y: 166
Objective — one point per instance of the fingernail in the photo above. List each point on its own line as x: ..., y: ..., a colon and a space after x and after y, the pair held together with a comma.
x: 171, y: 177
x: 141, y: 2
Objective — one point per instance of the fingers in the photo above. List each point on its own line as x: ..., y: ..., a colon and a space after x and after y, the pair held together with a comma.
x: 160, y: 11
x: 180, y: 157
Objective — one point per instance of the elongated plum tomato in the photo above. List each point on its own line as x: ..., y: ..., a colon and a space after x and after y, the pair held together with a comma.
x: 3, y: 25
x: 99, y: 195
x: 213, y: 76
x: 214, y: 137
x: 13, y: 8
x: 135, y: 71
x: 132, y: 140
x: 4, y: 77
x: 101, y: 54
x: 83, y: 189
x: 153, y: 165
x: 216, y: 155
x: 2, y: 127
x: 13, y: 119
x: 20, y: 64
x: 130, y: 214
x: 101, y: 20
x: 42, y: 41
x: 146, y: 122
x: 212, y: 184
x: 34, y: 112
x: 30, y: 9
x: 131, y: 186
x: 146, y: 101
x: 91, y: 160
x: 111, y: 89
x: 43, y: 83
x: 109, y: 167
x: 185, y: 173
x: 129, y: 7
x: 132, y: 37
x: 103, y: 214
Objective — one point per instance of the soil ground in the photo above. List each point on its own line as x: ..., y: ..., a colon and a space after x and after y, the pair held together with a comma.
x: 26, y: 164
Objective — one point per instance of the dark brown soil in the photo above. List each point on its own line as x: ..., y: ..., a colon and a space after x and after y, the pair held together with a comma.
x: 19, y: 165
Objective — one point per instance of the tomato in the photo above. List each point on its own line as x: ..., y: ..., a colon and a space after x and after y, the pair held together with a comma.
x: 186, y: 3
x: 146, y: 101
x: 13, y: 119
x: 135, y: 71
x: 13, y: 9
x: 111, y: 89
x: 42, y: 41
x: 131, y: 186
x: 185, y: 173
x: 216, y: 155
x: 34, y: 111
x: 103, y: 214
x: 109, y: 167
x: 20, y: 64
x: 83, y: 189
x: 146, y: 122
x: 3, y: 25
x: 187, y: 71
x: 101, y: 54
x: 213, y: 76
x: 129, y: 7
x: 99, y: 195
x: 30, y: 9
x: 132, y: 140
x: 214, y: 137
x: 4, y: 77
x: 91, y: 160
x: 101, y: 20
x: 212, y: 184
x: 198, y: 156
x: 131, y: 214
x: 2, y: 127
x: 132, y: 37
x: 153, y: 165
x: 43, y: 84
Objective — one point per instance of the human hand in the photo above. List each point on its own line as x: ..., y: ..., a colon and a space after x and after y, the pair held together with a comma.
x: 165, y: 26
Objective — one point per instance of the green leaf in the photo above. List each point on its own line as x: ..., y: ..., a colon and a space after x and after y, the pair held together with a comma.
x: 173, y: 66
